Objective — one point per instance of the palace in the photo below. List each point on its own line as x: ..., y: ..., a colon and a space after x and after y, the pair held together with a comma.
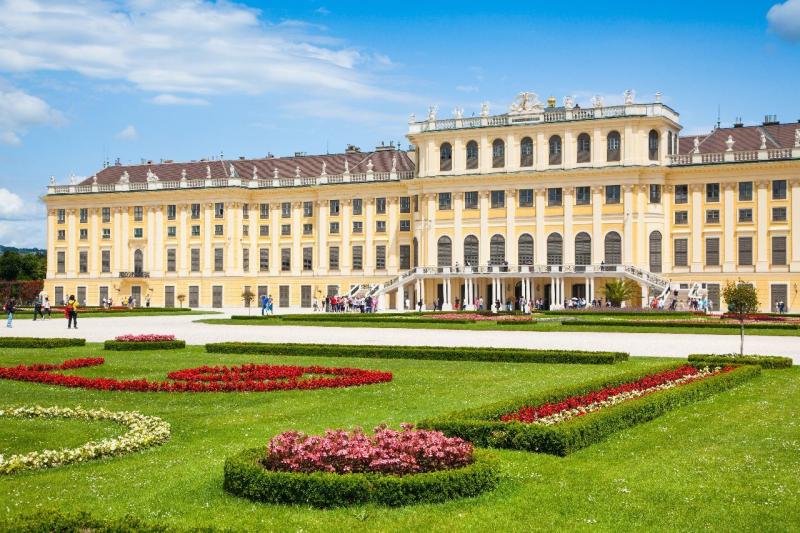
x: 542, y: 201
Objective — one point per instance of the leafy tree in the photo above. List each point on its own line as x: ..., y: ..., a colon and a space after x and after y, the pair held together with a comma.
x: 742, y: 300
x: 618, y: 291
x: 248, y: 297
x: 181, y: 298
x: 22, y: 266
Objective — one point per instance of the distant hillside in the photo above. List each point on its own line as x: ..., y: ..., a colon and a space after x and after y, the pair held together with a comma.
x: 22, y: 250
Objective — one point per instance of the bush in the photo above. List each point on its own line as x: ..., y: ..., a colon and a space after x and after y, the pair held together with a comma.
x: 433, y: 353
x: 764, y: 361
x: 359, y: 317
x: 36, y: 342
x: 245, y: 477
x: 482, y: 426
x: 612, y: 311
x: 665, y: 324
x: 54, y: 520
x: 127, y: 346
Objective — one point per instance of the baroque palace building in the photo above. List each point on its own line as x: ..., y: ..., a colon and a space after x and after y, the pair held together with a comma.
x: 542, y: 201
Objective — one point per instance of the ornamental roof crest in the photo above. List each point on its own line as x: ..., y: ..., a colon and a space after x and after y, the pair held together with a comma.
x: 526, y: 103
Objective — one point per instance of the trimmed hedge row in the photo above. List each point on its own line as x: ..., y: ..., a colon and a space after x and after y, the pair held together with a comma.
x: 482, y: 426
x: 437, y: 353
x: 764, y: 361
x: 665, y: 324
x: 359, y: 317
x: 245, y: 477
x: 598, y: 312
x: 121, y: 346
x: 37, y: 342
x: 54, y: 520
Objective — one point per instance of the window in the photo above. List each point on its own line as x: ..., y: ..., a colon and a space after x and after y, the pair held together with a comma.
x: 555, y: 249
x: 263, y: 211
x: 526, y: 152
x: 218, y: 230
x: 471, y: 251
x: 195, y: 259
x: 286, y: 229
x: 380, y: 206
x: 779, y: 251
x: 83, y: 234
x: 263, y: 259
x: 62, y: 234
x: 405, y: 257
x: 525, y: 250
x: 526, y: 197
x: 380, y: 257
x: 712, y: 192
x: 172, y: 231
x: 405, y: 225
x: 61, y: 215
x: 195, y: 211
x: 613, y: 146
x: 106, y: 214
x: 286, y: 259
x: 380, y: 226
x: 83, y: 213
x: 472, y: 155
x: 105, y: 261
x: 245, y: 211
x: 652, y: 145
x: 358, y: 226
x: 745, y: 251
x: 219, y: 210
x: 554, y: 196
x: 745, y: 215
x: 283, y: 295
x: 583, y: 195
x: 195, y: 231
x: 83, y: 261
x: 445, y: 201
x: 555, y: 150
x: 138, y: 233
x: 446, y: 157
x: 498, y: 154
x: 245, y: 230
x: 263, y: 230
x: 219, y: 259
x: 613, y: 248
x: 713, y: 295
x: 583, y: 249
x: 681, y: 194
x: 779, y: 189
x: 779, y: 214
x: 308, y: 209
x: 308, y: 229
x: 712, y: 251
x: 171, y: 259
x: 138, y: 214
x: 358, y: 258
x: 61, y: 262
x: 612, y: 194
x: 333, y: 258
x: 308, y: 262
x: 305, y: 295
x: 497, y: 250
x: 471, y: 200
x: 444, y: 252
x: 286, y: 210
x: 405, y: 204
x: 171, y: 212
x: 681, y: 252
x: 712, y: 216
x: 358, y: 206
x: 333, y: 208
x: 779, y: 292
x: 498, y: 199
x: 681, y: 217
x: 584, y: 148
x: 745, y: 191
x: 655, y: 251
x: 245, y: 259
x: 655, y: 193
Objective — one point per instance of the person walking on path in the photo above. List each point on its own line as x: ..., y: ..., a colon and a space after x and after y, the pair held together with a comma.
x: 10, y: 308
x: 37, y: 309
x: 72, y: 312
x: 46, y: 307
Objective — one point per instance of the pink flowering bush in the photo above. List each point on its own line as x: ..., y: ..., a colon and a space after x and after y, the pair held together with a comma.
x: 150, y: 337
x: 409, y: 451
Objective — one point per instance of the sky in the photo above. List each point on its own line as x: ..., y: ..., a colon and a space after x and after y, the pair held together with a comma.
x: 83, y: 82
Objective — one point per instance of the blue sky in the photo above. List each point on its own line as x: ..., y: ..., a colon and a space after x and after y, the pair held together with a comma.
x: 141, y: 79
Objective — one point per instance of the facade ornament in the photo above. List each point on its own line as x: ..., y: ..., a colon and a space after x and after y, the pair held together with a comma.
x: 797, y: 138
x: 125, y: 178
x: 696, y: 145
x: 94, y: 180
x: 485, y: 109
x: 232, y: 171
x: 183, y: 175
x: 729, y: 143
x: 324, y: 169
x: 297, y: 171
x: 52, y: 180
x: 458, y: 112
x: 569, y: 102
x: 369, y: 165
x: 597, y: 101
x: 255, y: 173
x: 394, y: 163
x: 628, y: 96
x: 526, y: 102
x: 275, y: 172
x: 412, y: 118
x: 763, y: 141
x: 151, y: 177
x: 658, y: 97
x: 432, y: 110
x: 208, y: 172
x: 346, y: 167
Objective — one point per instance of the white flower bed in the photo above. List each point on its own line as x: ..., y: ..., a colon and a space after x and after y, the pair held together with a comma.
x: 144, y: 431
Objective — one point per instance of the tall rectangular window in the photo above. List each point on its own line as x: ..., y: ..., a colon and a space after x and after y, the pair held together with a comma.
x: 305, y: 295
x: 219, y: 230
x: 263, y: 259
x: 283, y: 296
x: 712, y: 251
x: 286, y: 209
x: 554, y: 196
x: 471, y: 200
x: 358, y: 206
x: 286, y: 229
x: 308, y: 209
x: 583, y: 195
x: 84, y: 234
x: 107, y: 233
x: 526, y: 197
x: 745, y: 251
x: 779, y: 189
x: 172, y: 231
x: 712, y: 216
x: 655, y: 193
x: 219, y: 256
x: 405, y: 225
x: 83, y: 261
x: 171, y: 260
x: 779, y: 251
x: 405, y: 204
x: 195, y: 211
x: 195, y: 230
x: 712, y: 192
x: 445, y: 201
x: 195, y: 259
x: 286, y: 259
x: 263, y: 211
x: 84, y: 215
x: 194, y: 296
x: 245, y: 259
x: 380, y: 206
x: 498, y: 199
x: 105, y: 261
x: 745, y: 191
x: 308, y: 262
x: 245, y: 211
x: 405, y: 257
x: 681, y: 194
x: 219, y: 210
x: 61, y: 216
x: 171, y: 212
x: 681, y: 252
x: 612, y: 194
x: 106, y: 215
x: 380, y: 257
x: 380, y: 226
x: 358, y: 258
x: 333, y: 258
x: 333, y: 208
x: 138, y: 213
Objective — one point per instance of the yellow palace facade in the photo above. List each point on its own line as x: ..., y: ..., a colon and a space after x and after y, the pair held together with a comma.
x: 543, y: 201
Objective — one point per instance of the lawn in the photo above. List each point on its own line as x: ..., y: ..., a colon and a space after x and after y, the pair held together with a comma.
x: 728, y: 463
x: 28, y: 315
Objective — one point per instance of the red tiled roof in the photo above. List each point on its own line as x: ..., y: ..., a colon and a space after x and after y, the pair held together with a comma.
x: 287, y: 167
x: 745, y: 138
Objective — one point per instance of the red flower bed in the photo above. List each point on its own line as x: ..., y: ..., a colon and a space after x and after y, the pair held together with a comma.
x: 145, y: 338
x: 409, y: 451
x: 758, y: 317
x: 249, y: 377
x: 478, y: 317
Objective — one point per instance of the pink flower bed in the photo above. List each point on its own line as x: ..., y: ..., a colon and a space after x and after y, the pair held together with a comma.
x: 477, y: 316
x: 409, y: 451
x: 144, y: 338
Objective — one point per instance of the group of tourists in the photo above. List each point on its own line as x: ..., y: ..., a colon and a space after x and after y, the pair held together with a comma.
x: 41, y: 310
x: 700, y: 304
x: 346, y: 304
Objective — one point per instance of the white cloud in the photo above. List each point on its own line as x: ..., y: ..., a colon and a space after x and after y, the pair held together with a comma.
x: 192, y: 47
x: 784, y: 20
x: 467, y: 88
x: 24, y: 233
x: 128, y: 133
x: 19, y: 111
x: 171, y: 99
x: 323, y: 10
x: 11, y: 205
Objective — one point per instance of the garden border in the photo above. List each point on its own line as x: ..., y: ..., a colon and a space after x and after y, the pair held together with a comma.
x: 764, y: 361
x: 40, y: 342
x: 129, y: 346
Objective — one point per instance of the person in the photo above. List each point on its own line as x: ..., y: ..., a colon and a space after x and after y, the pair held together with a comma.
x: 71, y: 311
x: 263, y: 304
x: 37, y: 309
x: 269, y: 304
x: 480, y: 303
x: 407, y: 304
x: 315, y: 306
x: 147, y: 301
x: 46, y: 307
x: 10, y: 308
x: 419, y: 305
x: 457, y: 304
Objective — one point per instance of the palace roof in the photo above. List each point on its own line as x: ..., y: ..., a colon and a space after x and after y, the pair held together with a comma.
x: 744, y: 137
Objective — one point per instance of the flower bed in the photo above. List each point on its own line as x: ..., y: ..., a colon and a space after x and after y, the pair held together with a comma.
x: 244, y: 378
x: 36, y: 342
x: 480, y: 317
x: 341, y: 468
x: 143, y: 431
x: 764, y: 361
x: 484, y: 426
x: 144, y: 342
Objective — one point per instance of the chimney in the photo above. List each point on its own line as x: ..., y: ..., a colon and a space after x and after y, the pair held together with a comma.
x: 770, y: 120
x: 241, y: 158
x: 352, y: 149
x: 738, y: 123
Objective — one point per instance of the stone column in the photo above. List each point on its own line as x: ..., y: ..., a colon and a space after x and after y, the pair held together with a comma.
x: 483, y: 200
x: 642, y: 258
x: 511, y: 234
x: 627, y: 239
x: 399, y: 299
x: 429, y: 235
x: 275, y: 238
x: 94, y: 243
x: 125, y: 253
x: 51, y: 244
x: 183, y: 247
x: 149, y: 256
x: 762, y: 219
x: 297, y: 231
x: 666, y: 239
x: 458, y: 232
x: 158, y: 231
x: 569, y: 234
x: 206, y: 244
x: 72, y: 244
x: 369, y: 240
x: 392, y: 252
x: 540, y: 242
x: 346, y: 253
x: 697, y: 227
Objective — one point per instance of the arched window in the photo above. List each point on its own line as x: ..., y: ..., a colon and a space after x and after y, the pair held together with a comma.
x: 669, y: 143
x: 445, y: 157
x: 525, y: 249
x: 555, y: 150
x: 613, y: 247
x: 655, y: 251
x: 471, y: 251
x: 526, y: 152
x: 498, y: 153
x: 444, y: 252
x: 584, y: 148
x: 415, y: 244
x: 614, y: 146
x: 583, y: 249
x: 497, y: 250
x: 555, y: 249
x: 472, y: 155
x: 138, y: 262
x: 652, y: 145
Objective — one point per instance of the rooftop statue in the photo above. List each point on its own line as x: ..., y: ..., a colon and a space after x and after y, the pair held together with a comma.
x: 526, y: 102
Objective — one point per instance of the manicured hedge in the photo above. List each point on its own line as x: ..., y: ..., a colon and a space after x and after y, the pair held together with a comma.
x: 440, y: 353
x: 482, y: 426
x: 36, y: 342
x: 81, y: 522
x: 687, y: 325
x: 609, y: 313
x: 121, y: 346
x: 361, y: 317
x: 245, y: 477
x: 764, y: 361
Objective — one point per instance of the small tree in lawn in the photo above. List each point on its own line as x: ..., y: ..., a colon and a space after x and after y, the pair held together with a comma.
x: 181, y: 298
x: 618, y: 291
x: 741, y: 299
x: 248, y: 297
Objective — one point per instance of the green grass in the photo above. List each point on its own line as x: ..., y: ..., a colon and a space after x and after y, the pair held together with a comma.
x: 37, y: 434
x: 726, y: 463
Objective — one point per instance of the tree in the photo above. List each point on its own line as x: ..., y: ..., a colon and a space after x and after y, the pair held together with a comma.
x: 181, y: 298
x: 742, y: 300
x: 248, y: 297
x: 618, y: 291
